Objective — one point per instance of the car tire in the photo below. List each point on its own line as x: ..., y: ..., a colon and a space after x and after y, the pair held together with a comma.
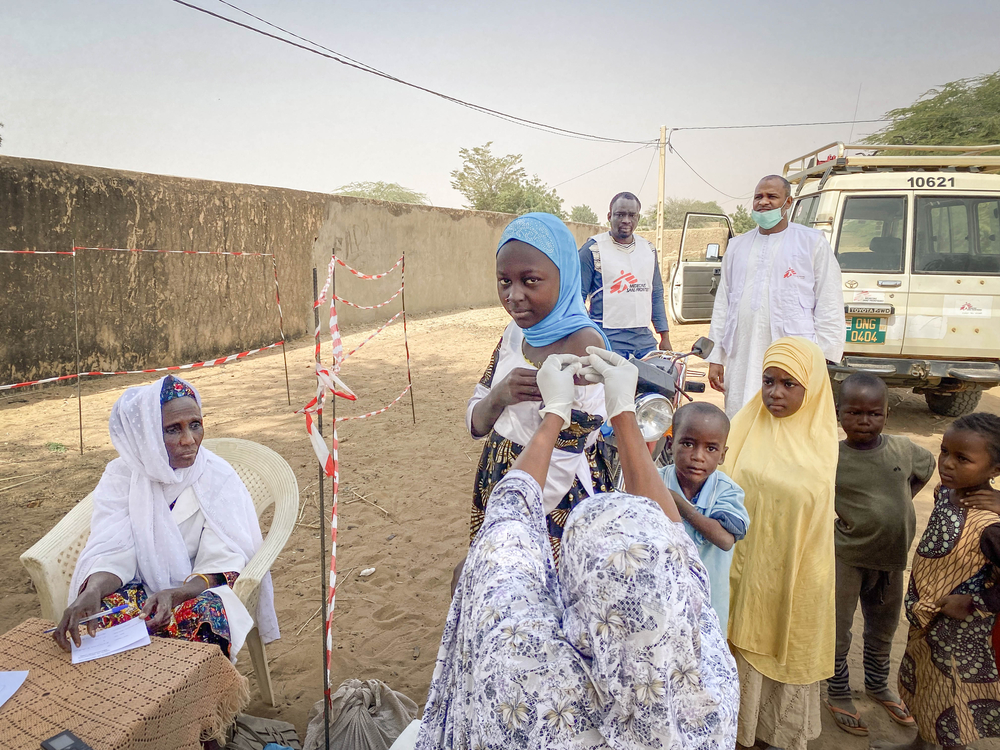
x: 953, y: 404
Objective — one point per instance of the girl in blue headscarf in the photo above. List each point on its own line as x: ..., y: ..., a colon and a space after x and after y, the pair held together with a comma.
x: 538, y: 281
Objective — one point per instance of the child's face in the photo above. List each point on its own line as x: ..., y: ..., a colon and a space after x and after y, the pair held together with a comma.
x: 527, y: 282
x: 782, y: 394
x: 699, y: 446
x: 862, y: 413
x: 965, y: 460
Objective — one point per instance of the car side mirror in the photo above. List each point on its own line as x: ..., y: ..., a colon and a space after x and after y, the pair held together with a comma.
x: 712, y: 251
x: 702, y: 347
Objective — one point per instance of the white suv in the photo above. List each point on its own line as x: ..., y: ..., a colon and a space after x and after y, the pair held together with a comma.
x: 918, y: 240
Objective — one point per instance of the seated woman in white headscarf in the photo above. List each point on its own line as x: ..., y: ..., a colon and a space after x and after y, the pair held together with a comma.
x: 621, y: 647
x: 173, y: 526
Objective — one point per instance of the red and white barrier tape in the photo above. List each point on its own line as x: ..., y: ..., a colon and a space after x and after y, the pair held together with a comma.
x: 238, y: 254
x: 37, y: 252
x: 366, y: 276
x: 367, y: 307
x: 380, y: 411
x: 332, y: 596
x: 327, y: 381
x: 191, y: 366
x: 385, y: 325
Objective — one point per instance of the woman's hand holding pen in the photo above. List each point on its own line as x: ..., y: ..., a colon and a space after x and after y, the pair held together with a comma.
x: 85, y: 605
x: 89, y: 602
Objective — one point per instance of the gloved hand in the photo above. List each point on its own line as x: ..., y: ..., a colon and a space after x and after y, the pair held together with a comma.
x: 555, y: 381
x: 619, y: 377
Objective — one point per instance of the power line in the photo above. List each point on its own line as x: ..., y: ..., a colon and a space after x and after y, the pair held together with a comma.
x: 651, y: 158
x: 779, y: 125
x: 619, y: 158
x: 350, y: 62
x: 344, y: 60
x: 675, y: 152
x: 850, y: 138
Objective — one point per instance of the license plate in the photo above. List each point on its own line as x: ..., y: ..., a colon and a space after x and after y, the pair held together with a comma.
x: 866, y: 329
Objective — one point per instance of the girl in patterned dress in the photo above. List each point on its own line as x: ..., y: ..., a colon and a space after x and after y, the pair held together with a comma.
x: 538, y: 281
x: 948, y: 676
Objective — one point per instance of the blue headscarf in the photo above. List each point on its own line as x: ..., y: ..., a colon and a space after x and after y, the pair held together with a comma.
x: 547, y: 233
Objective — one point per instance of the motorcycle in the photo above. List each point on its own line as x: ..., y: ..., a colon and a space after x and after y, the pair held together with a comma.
x: 661, y: 385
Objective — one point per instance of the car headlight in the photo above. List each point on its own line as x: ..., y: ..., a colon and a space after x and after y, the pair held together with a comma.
x: 654, y: 414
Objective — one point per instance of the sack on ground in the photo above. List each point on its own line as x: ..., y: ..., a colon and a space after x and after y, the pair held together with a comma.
x: 364, y: 715
x: 255, y: 733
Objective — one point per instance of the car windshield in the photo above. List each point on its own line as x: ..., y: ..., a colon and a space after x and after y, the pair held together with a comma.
x: 958, y: 236
x: 871, y: 234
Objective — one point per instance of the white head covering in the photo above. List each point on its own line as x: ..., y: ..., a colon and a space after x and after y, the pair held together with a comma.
x: 132, y: 504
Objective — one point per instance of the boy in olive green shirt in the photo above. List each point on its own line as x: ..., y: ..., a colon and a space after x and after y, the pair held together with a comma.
x: 877, y: 477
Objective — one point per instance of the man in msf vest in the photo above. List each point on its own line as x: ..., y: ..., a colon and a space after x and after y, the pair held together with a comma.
x: 621, y: 276
x: 780, y: 279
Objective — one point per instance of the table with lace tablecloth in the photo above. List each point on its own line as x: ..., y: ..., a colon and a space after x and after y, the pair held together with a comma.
x: 169, y: 694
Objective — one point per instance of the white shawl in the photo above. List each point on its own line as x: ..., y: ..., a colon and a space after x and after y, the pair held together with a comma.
x: 132, y: 504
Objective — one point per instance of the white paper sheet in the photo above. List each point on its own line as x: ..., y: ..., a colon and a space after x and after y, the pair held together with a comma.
x: 9, y: 683
x: 109, y: 641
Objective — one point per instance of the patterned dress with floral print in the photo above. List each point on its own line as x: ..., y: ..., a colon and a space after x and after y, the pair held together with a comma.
x: 620, y: 648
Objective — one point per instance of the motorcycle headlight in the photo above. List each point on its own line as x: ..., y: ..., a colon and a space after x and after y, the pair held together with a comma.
x: 654, y: 414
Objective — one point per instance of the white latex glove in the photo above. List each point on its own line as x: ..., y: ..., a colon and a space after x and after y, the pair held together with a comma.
x: 555, y: 381
x: 619, y: 377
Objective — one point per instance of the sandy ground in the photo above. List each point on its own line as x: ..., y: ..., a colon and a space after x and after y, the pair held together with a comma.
x: 404, y: 503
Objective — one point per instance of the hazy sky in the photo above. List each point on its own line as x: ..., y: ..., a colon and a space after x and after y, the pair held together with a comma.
x: 152, y: 86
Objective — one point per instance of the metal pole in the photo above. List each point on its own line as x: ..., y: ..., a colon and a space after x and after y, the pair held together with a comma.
x: 333, y: 301
x: 406, y: 342
x: 659, y: 192
x: 76, y: 330
x: 322, y: 546
x: 281, y: 327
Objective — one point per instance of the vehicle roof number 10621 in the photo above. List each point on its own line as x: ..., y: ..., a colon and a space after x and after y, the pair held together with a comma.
x: 931, y: 182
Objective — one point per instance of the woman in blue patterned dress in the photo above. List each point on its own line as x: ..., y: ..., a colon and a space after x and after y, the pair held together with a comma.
x: 619, y: 648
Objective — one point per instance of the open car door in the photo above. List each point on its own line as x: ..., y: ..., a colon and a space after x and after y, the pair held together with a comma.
x: 697, y: 269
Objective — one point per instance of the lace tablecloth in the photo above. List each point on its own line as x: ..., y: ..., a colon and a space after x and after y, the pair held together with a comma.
x: 167, y: 695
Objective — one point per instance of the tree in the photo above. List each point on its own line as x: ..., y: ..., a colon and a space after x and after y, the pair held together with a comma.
x: 383, y: 191
x: 527, y: 196
x: 742, y: 221
x: 583, y: 215
x: 959, y: 113
x: 674, y: 210
x: 483, y: 176
x: 499, y: 183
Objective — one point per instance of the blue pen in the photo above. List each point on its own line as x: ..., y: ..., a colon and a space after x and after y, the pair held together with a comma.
x: 105, y: 613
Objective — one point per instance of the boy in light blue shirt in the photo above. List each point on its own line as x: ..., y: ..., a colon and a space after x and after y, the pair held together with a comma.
x: 710, y: 503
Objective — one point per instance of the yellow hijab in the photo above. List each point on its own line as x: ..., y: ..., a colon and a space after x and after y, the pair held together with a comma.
x: 782, y: 612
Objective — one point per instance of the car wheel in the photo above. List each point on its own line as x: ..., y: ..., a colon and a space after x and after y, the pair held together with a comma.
x: 953, y: 404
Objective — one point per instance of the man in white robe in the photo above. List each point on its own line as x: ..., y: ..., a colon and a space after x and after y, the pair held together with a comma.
x: 780, y: 279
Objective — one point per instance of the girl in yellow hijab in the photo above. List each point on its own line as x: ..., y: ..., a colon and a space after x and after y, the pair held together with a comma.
x: 783, y: 452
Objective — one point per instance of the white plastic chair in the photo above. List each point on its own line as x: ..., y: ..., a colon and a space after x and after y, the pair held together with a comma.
x: 267, y: 476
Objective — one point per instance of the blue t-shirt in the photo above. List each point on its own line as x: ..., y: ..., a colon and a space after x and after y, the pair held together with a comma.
x: 722, y: 499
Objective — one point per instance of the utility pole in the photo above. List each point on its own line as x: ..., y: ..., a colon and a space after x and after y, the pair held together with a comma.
x: 659, y: 192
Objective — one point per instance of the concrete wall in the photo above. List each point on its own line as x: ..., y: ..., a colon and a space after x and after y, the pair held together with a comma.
x: 144, y: 310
